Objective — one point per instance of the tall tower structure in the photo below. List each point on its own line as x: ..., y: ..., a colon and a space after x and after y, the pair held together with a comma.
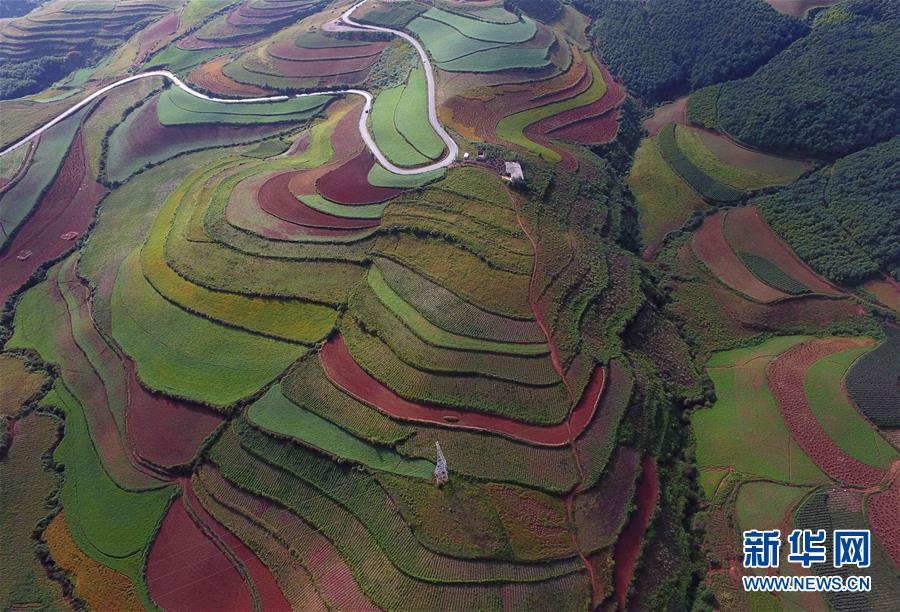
x: 441, y: 476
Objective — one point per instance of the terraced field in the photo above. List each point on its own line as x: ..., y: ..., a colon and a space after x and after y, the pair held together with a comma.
x: 281, y: 331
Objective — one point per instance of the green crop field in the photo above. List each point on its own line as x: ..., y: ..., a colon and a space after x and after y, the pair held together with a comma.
x: 25, y: 479
x: 411, y: 116
x: 664, y: 200
x: 764, y: 505
x: 838, y: 416
x: 237, y: 352
x: 445, y: 43
x: 695, y: 150
x: 166, y: 343
x: 746, y: 416
x: 769, y: 273
x: 386, y: 132
x: 110, y: 524
x: 514, y: 32
x: 177, y: 107
x: 706, y: 185
x: 511, y: 128
x: 275, y: 413
x: 500, y: 58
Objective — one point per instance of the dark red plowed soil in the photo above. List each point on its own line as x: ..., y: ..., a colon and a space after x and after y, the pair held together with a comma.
x: 270, y: 595
x: 162, y: 430
x: 786, y: 376
x: 590, y: 131
x: 148, y: 138
x: 187, y: 571
x: 275, y: 198
x: 628, y: 546
x: 348, y: 376
x: 349, y: 184
x: 67, y: 207
x: 151, y: 37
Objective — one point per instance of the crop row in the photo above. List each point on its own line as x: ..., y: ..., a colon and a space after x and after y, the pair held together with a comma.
x: 496, y: 291
x: 276, y: 414
x: 448, y: 311
x: 423, y: 355
x: 293, y: 578
x: 490, y: 396
x: 871, y: 382
x: 705, y: 185
x: 358, y: 493
x: 547, y: 468
x: 766, y: 271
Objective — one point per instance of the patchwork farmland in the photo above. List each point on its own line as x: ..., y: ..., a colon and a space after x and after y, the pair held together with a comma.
x: 406, y: 305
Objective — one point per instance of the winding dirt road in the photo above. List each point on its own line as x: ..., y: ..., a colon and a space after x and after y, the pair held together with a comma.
x: 346, y: 23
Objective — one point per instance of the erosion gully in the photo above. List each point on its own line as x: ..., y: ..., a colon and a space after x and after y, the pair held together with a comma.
x: 557, y: 365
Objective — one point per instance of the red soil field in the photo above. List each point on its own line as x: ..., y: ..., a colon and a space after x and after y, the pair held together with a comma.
x: 674, y: 112
x: 577, y: 77
x: 348, y: 376
x: 593, y: 130
x: 275, y: 198
x: 710, y: 246
x: 614, y: 95
x: 628, y: 546
x: 67, y: 207
x: 481, y: 109
x: 187, y: 571
x: 242, y: 211
x: 569, y: 161
x: 287, y: 50
x: 151, y: 37
x: 162, y: 430
x: 786, y: 375
x: 210, y: 76
x: 270, y: 595
x: 884, y: 517
x: 323, y: 67
x: 349, y: 183
x: 745, y: 230
x: 147, y: 137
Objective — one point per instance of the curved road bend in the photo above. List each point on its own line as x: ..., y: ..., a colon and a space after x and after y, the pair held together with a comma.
x: 452, y: 148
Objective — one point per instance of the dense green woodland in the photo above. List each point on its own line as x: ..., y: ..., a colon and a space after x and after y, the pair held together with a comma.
x: 544, y: 10
x: 664, y: 47
x: 831, y: 93
x: 844, y: 221
x: 20, y: 78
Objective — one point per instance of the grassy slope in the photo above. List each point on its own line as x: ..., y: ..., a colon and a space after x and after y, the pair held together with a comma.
x: 747, y: 417
x: 665, y: 201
